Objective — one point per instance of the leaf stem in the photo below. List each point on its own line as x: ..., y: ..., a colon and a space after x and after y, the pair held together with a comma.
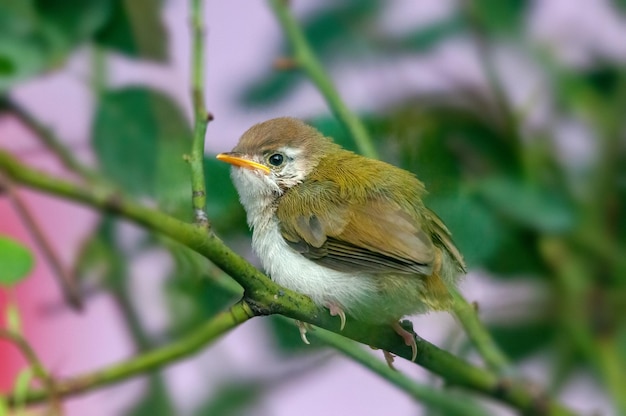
x: 305, y: 58
x: 201, y: 117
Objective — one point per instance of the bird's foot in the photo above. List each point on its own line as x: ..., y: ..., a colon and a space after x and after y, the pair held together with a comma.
x: 408, y: 337
x: 389, y: 358
x: 303, y: 327
x: 335, y: 310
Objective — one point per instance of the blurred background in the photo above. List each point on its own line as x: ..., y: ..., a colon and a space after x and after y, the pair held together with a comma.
x: 510, y: 111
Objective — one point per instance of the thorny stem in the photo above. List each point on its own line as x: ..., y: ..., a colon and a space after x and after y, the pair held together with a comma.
x: 201, y: 117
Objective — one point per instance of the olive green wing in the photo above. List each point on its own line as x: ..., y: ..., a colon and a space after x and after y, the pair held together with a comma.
x: 371, y: 235
x: 443, y: 237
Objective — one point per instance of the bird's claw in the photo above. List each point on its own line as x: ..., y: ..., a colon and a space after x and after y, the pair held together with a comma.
x: 337, y: 311
x: 303, y: 327
x: 408, y: 337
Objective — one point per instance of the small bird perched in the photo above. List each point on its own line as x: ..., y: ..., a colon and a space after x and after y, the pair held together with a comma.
x: 351, y: 233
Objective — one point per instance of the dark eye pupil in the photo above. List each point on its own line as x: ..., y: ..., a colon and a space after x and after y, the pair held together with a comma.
x: 276, y: 159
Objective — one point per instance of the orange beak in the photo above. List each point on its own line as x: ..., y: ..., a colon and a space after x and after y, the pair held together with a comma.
x: 236, y: 160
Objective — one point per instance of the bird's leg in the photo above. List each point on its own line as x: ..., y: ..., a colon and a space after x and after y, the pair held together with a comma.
x: 335, y: 310
x: 409, y: 338
x: 303, y: 327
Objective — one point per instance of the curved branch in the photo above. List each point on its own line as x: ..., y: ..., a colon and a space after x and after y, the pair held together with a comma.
x: 265, y: 297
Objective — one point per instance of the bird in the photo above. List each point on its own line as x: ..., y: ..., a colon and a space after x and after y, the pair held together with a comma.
x: 350, y: 232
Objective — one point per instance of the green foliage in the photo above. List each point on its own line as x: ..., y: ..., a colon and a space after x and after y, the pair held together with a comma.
x: 232, y: 399
x: 140, y: 137
x: 16, y: 261
x: 134, y: 28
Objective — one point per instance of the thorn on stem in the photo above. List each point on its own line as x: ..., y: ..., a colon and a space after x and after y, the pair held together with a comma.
x: 285, y: 63
x: 476, y: 306
x: 209, y: 117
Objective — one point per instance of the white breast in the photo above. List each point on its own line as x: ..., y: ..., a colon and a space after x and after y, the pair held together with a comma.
x: 285, y: 266
x: 290, y: 269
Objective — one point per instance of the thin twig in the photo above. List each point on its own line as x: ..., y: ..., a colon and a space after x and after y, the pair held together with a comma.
x: 66, y: 282
x: 50, y: 390
x: 153, y: 360
x: 306, y: 59
x: 201, y: 117
x: 51, y: 141
x: 266, y: 297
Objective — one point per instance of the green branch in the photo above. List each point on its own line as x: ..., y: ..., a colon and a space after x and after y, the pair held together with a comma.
x: 444, y: 401
x: 201, y: 117
x: 150, y: 361
x: 265, y: 297
x: 306, y: 59
x: 51, y: 141
x: 480, y: 337
x: 51, y: 390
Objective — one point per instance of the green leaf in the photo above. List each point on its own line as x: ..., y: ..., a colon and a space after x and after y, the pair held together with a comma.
x: 16, y: 261
x: 155, y: 402
x: 474, y: 229
x: 287, y: 337
x: 428, y: 37
x: 22, y: 51
x: 73, y: 21
x: 516, y: 254
x: 444, y: 143
x: 232, y: 399
x: 620, y: 5
x: 520, y: 340
x: 139, y: 137
x: 135, y: 29
x: 501, y: 16
x: 540, y: 208
x: 223, y: 208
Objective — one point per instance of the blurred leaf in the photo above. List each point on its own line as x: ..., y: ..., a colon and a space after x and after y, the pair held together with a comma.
x: 72, y: 21
x: 425, y: 38
x: 195, y: 299
x: 100, y: 258
x: 332, y: 32
x: 501, y: 16
x: 232, y: 399
x: 469, y: 221
x: 287, y: 338
x: 155, y: 402
x: 516, y: 255
x: 13, y: 318
x: 21, y: 388
x: 329, y: 126
x: 135, y: 29
x: 16, y: 261
x: 542, y: 209
x: 22, y: 52
x: 444, y: 143
x: 620, y: 5
x: 335, y: 29
x: 223, y: 208
x: 139, y: 136
x: 520, y: 340
x: 271, y: 87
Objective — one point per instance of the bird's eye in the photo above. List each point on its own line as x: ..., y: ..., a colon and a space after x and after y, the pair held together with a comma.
x: 276, y: 159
